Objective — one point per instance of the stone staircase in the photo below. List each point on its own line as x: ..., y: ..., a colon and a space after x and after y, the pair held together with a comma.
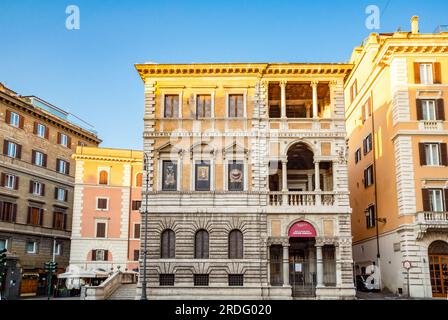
x: 124, y: 292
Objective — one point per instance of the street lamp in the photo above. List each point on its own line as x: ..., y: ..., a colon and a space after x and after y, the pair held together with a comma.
x: 145, y: 246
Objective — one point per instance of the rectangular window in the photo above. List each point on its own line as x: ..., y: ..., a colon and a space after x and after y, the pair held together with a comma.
x: 202, y: 176
x: 432, y: 152
x: 358, y: 156
x: 37, y: 188
x: 370, y: 217
x: 10, y: 181
x: 137, y: 231
x: 166, y: 280
x: 203, y: 106
x: 12, y: 150
x: 436, y: 200
x: 35, y: 216
x: 236, y: 176
x: 14, y: 119
x: 39, y: 158
x: 40, y: 130
x: 102, y: 204
x: 58, y: 249
x: 59, y: 220
x: 171, y: 106
x: 31, y: 247
x: 63, y: 140
x: 60, y: 194
x: 426, y: 73
x: 8, y: 211
x: 200, y: 280
x: 100, y: 255
x: 368, y: 176
x: 62, y: 166
x: 353, y: 91
x: 367, y: 144
x: 429, y: 110
x: 236, y: 105
x: 236, y: 280
x: 100, y: 230
x: 136, y: 255
x: 136, y: 204
x: 3, y: 244
x: 169, y: 175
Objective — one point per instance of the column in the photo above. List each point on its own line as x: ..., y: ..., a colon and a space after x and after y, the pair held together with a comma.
x: 319, y: 266
x: 325, y: 186
x: 314, y: 86
x: 335, y: 180
x: 317, y: 182
x: 285, y: 196
x: 310, y: 182
x: 338, y: 265
x: 285, y: 264
x: 283, y: 98
x: 308, y: 110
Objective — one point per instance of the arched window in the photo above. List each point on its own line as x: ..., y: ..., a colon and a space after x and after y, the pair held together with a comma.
x: 235, y: 244
x: 201, y: 245
x: 104, y: 177
x: 138, y: 180
x: 168, y: 244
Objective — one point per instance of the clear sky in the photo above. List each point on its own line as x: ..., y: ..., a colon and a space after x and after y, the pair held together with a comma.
x: 90, y: 72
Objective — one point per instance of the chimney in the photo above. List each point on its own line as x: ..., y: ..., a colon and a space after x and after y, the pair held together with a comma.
x: 414, y: 25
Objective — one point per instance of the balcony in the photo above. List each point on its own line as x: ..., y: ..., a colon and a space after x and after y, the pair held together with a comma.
x: 301, y: 199
x: 431, y: 125
x: 433, y: 219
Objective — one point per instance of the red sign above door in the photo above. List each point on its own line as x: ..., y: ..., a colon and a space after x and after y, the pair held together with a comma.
x: 302, y: 229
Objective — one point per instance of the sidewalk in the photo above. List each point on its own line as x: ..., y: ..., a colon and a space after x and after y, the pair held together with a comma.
x: 388, y: 296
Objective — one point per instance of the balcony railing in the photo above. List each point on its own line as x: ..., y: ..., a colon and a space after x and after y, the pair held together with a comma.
x: 433, y: 218
x: 301, y: 199
x: 431, y: 125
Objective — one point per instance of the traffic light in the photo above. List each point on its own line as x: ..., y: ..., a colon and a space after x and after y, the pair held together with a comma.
x: 51, y: 266
x: 3, y: 258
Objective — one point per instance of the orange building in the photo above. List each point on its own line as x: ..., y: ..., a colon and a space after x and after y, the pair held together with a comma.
x: 106, y: 217
x: 398, y: 174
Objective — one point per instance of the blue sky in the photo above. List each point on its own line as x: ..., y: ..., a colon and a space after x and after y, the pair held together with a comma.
x: 90, y: 71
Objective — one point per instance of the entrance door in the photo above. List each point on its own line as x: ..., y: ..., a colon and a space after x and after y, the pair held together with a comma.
x: 438, y: 268
x: 302, y: 267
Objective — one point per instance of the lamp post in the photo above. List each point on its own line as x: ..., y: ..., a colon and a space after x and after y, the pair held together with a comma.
x: 145, y: 246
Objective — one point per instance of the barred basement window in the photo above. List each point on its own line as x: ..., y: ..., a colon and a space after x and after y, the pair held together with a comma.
x: 166, y: 279
x: 236, y: 280
x: 200, y: 280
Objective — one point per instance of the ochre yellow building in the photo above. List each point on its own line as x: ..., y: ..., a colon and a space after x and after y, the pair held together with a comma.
x: 398, y: 176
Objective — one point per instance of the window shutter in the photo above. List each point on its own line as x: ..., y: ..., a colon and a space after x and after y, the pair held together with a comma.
x: 437, y: 73
x: 365, y: 178
x: 16, y: 183
x: 446, y: 200
x: 14, y: 212
x: 440, y: 109
x: 41, y: 217
x: 8, y: 117
x: 67, y: 168
x: 35, y: 127
x: 33, y: 156
x: 47, y: 132
x: 443, y: 152
x: 93, y: 255
x: 106, y: 255
x: 65, y: 221
x: 164, y: 245
x: 31, y: 186
x: 5, y: 147
x: 56, y: 192
x: 43, y: 189
x: 28, y: 220
x: 54, y: 219
x: 421, y: 148
x: 57, y: 165
x: 417, y: 72
x: 419, y: 105
x: 59, y: 138
x: 45, y: 160
x: 19, y: 151
x: 21, y: 121
x: 3, y: 179
x: 65, y: 195
x: 425, y: 199
x: 363, y: 113
x: 69, y: 142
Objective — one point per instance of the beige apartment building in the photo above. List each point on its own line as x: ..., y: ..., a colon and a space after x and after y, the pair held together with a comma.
x: 248, y: 193
x: 398, y: 165
x: 36, y: 190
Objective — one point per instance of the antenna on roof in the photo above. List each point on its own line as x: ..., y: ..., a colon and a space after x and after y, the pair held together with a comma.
x: 399, y: 29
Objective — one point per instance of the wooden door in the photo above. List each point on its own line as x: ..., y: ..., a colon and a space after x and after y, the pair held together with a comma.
x: 28, y: 287
x: 438, y: 267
